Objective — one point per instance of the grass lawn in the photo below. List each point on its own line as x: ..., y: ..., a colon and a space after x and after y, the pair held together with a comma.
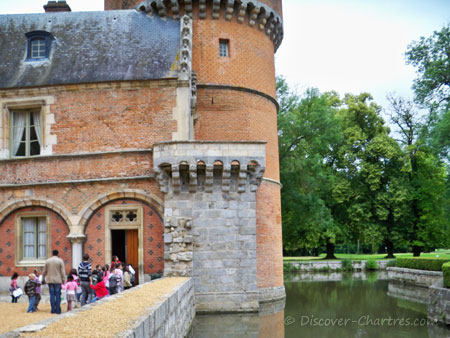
x: 356, y: 257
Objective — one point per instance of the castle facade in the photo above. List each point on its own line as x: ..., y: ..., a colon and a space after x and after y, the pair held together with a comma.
x: 146, y: 131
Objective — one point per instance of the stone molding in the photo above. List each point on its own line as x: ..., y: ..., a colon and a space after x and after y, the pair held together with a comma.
x: 256, y: 14
x: 239, y: 89
x: 198, y: 166
x: 103, y: 199
x: 29, y: 202
x: 47, y: 90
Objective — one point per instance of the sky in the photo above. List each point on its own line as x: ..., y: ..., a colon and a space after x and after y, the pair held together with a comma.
x: 350, y: 46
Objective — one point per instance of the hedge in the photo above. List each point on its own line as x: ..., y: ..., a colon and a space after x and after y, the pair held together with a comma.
x: 446, y: 271
x: 421, y: 263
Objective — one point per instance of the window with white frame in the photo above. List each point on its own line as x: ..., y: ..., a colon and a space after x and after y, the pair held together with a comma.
x: 224, y: 48
x: 26, y: 133
x: 34, y: 238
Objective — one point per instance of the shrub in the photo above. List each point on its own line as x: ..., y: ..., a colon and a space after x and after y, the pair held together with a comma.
x: 421, y: 263
x: 390, y: 263
x: 446, y: 271
x: 371, y: 264
x: 347, y: 265
x: 289, y: 267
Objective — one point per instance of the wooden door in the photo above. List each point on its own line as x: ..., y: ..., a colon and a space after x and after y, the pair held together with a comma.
x: 132, y: 252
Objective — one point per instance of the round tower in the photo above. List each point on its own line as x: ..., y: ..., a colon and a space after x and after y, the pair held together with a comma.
x: 233, y: 48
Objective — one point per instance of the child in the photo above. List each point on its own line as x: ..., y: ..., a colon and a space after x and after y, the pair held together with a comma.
x: 133, y: 274
x: 95, y: 278
x: 38, y: 281
x: 113, y: 279
x: 126, y: 279
x: 74, y: 274
x: 14, y: 287
x: 100, y: 288
x: 105, y: 276
x: 30, y: 291
x: 118, y: 272
x: 71, y: 287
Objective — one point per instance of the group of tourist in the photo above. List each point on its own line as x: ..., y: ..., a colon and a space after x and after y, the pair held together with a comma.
x: 83, y: 285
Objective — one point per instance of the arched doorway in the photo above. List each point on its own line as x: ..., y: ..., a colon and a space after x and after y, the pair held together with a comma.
x: 129, y: 229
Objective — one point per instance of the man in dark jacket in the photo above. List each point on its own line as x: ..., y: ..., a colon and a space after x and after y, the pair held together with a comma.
x: 85, y: 276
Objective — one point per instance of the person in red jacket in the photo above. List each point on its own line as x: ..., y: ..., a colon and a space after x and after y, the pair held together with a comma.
x: 100, y: 288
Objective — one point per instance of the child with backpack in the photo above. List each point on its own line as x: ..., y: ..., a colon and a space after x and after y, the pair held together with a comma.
x: 30, y: 291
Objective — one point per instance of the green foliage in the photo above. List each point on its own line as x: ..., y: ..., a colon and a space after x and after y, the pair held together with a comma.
x: 431, y: 57
x: 347, y: 265
x: 371, y: 264
x: 421, y: 263
x: 446, y: 272
x: 289, y: 267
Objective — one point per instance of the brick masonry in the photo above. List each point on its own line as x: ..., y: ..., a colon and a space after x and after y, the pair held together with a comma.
x: 100, y: 152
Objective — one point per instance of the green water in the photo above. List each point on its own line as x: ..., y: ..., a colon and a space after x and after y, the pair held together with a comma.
x: 354, y: 307
x: 336, y: 305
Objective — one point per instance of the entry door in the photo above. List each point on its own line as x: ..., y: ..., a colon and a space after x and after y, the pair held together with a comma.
x: 132, y: 251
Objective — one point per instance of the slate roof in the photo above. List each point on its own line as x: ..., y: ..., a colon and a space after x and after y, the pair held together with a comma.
x: 89, y: 47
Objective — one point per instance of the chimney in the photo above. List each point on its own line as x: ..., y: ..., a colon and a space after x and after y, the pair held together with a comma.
x: 57, y: 6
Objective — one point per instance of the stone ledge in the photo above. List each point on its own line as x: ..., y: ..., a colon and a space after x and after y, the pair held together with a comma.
x: 271, y: 294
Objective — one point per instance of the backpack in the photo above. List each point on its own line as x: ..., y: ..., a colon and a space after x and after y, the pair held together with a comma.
x: 114, y: 281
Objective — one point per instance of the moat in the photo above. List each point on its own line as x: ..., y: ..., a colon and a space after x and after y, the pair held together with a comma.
x: 332, y: 305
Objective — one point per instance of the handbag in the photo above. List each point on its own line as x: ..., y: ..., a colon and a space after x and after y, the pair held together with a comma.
x: 17, y: 292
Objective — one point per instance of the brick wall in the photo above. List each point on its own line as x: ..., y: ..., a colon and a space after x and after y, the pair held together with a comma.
x: 74, y: 198
x: 153, y: 237
x: 251, y: 60
x: 49, y: 169
x: 112, y: 119
x: 229, y: 115
x: 269, y: 251
x: 59, y: 231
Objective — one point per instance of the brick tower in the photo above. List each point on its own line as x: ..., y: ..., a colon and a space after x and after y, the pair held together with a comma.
x: 233, y: 46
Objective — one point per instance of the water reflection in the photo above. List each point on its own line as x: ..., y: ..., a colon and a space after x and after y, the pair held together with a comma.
x: 268, y: 323
x: 355, y: 306
x: 331, y: 305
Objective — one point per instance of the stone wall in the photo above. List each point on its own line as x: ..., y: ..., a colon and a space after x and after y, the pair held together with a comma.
x: 439, y: 304
x: 414, y: 277
x: 210, y: 219
x: 170, y: 319
x: 333, y: 265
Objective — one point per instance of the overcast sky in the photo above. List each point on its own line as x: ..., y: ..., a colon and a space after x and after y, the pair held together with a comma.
x: 343, y: 45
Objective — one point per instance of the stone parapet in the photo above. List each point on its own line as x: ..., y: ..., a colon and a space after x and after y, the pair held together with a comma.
x: 256, y: 14
x: 171, y: 318
x: 439, y: 304
x: 333, y: 265
x: 414, y: 277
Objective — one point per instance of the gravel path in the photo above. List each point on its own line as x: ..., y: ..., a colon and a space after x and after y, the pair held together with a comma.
x: 15, y: 315
x: 102, y: 320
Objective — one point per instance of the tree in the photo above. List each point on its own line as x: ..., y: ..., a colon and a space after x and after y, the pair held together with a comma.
x: 426, y: 177
x: 308, y: 133
x: 431, y: 57
x: 372, y: 163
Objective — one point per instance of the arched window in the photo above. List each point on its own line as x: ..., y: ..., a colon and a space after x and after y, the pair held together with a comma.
x: 39, y: 44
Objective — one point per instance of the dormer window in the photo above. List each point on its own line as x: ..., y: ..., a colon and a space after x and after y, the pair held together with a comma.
x: 39, y: 43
